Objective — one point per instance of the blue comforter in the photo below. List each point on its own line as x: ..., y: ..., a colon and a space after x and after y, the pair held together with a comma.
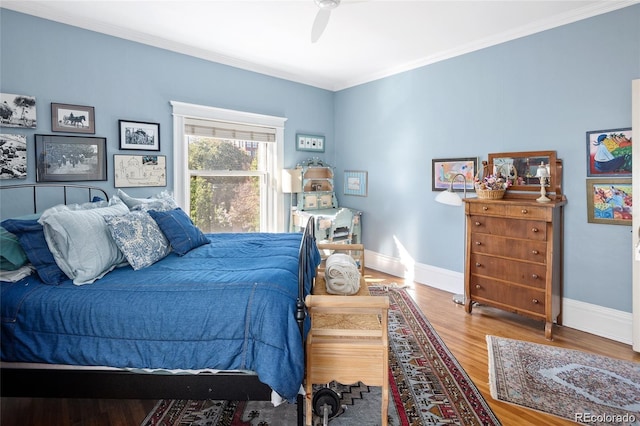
x: 226, y: 305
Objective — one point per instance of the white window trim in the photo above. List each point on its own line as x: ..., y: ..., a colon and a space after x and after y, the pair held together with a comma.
x: 180, y: 184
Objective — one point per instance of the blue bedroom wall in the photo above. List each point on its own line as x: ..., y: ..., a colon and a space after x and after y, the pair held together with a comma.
x: 536, y: 93
x: 132, y: 81
x: 542, y: 92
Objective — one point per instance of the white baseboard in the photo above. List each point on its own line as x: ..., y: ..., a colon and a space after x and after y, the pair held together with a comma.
x: 599, y: 320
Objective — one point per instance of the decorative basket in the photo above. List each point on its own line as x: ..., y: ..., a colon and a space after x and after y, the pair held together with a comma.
x: 490, y: 194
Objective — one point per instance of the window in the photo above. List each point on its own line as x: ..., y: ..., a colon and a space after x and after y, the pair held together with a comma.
x: 227, y: 168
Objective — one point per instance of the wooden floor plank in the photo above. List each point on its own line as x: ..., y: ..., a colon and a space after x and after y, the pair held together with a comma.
x: 464, y: 334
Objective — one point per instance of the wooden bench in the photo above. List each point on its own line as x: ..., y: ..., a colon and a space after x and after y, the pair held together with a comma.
x: 348, y: 341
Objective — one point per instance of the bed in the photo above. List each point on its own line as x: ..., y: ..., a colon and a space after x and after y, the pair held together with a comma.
x: 223, y: 320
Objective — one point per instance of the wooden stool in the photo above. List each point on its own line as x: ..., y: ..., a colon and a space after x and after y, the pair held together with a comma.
x: 348, y: 341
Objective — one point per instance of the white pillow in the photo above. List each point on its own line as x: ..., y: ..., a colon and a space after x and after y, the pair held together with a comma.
x: 80, y: 241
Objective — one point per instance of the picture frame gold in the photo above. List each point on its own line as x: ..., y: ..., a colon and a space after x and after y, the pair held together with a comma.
x: 609, y: 201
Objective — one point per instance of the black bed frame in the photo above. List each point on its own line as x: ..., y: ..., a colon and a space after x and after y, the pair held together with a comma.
x: 118, y: 384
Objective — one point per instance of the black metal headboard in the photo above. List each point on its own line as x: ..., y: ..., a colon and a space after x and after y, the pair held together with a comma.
x: 34, y: 189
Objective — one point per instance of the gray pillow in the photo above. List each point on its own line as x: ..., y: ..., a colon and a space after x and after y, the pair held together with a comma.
x: 80, y: 241
x: 139, y: 238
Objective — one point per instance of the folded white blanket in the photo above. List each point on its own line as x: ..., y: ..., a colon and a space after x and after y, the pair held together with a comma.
x: 341, y: 275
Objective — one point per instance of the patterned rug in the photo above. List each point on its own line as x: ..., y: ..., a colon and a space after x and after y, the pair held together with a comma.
x: 582, y: 387
x: 427, y: 386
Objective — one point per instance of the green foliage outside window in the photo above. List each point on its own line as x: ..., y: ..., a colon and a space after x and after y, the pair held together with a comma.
x: 224, y: 203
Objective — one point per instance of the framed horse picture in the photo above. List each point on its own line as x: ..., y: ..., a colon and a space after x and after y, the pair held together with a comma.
x: 72, y: 118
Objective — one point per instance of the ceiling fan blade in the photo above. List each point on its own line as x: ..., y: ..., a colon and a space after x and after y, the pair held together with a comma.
x: 319, y: 24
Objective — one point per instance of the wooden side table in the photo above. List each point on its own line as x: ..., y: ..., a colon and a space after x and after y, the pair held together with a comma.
x: 348, y: 341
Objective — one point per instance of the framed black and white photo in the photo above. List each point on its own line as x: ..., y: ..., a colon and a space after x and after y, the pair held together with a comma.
x: 72, y: 118
x: 139, y: 170
x: 70, y: 158
x: 17, y: 111
x: 13, y: 156
x: 139, y: 135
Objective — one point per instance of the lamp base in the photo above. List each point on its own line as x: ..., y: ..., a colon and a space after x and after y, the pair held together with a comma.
x: 543, y: 199
x: 458, y: 299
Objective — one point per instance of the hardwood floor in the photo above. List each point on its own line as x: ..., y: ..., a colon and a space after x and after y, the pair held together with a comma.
x: 463, y: 334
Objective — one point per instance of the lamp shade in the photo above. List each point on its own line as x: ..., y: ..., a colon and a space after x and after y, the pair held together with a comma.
x: 291, y: 181
x: 542, y: 171
x: 449, y: 197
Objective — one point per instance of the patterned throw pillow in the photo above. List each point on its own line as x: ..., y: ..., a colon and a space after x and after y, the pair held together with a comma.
x: 139, y: 238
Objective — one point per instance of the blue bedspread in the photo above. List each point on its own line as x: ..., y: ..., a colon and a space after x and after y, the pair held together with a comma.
x: 226, y: 305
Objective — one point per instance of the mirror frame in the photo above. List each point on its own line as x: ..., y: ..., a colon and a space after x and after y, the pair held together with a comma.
x: 524, y: 158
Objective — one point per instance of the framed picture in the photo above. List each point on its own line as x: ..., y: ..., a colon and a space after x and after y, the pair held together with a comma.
x: 445, y: 169
x: 13, y: 156
x: 609, y: 152
x: 70, y: 158
x: 139, y: 170
x: 139, y: 135
x: 72, y: 118
x: 17, y: 111
x: 314, y: 143
x: 609, y: 201
x: 355, y: 183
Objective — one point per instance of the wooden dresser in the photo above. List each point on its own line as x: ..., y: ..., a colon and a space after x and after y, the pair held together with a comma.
x: 514, y: 256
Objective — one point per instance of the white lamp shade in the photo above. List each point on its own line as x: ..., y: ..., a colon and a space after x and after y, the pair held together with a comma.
x: 449, y: 198
x: 291, y: 181
x: 542, y: 171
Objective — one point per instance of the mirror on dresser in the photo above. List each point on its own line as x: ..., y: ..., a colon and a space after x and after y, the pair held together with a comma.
x: 521, y: 169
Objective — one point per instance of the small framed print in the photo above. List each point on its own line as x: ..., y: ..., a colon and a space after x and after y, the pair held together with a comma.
x: 609, y: 153
x: 13, y: 156
x: 446, y: 169
x: 139, y: 170
x: 70, y: 158
x: 72, y: 118
x: 139, y: 135
x: 313, y: 143
x: 609, y: 201
x: 355, y: 183
x: 17, y: 111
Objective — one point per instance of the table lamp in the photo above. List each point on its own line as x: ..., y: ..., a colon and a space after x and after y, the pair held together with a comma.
x: 543, y: 174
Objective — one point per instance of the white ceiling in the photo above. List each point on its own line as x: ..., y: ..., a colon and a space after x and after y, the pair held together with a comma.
x: 365, y: 39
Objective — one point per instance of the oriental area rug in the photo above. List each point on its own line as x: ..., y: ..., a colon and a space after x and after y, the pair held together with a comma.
x: 427, y: 386
x: 579, y: 386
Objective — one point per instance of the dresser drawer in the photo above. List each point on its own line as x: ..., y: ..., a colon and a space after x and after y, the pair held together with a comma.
x: 531, y: 251
x: 510, y: 297
x: 487, y: 208
x: 515, y: 228
x: 528, y: 212
x: 529, y: 274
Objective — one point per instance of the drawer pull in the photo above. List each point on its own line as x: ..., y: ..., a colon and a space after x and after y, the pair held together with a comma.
x: 535, y: 301
x: 534, y: 276
x: 478, y: 243
x: 485, y: 208
x: 477, y: 223
x: 478, y: 264
x: 534, y: 229
x: 524, y: 211
x: 534, y: 252
x: 478, y: 286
